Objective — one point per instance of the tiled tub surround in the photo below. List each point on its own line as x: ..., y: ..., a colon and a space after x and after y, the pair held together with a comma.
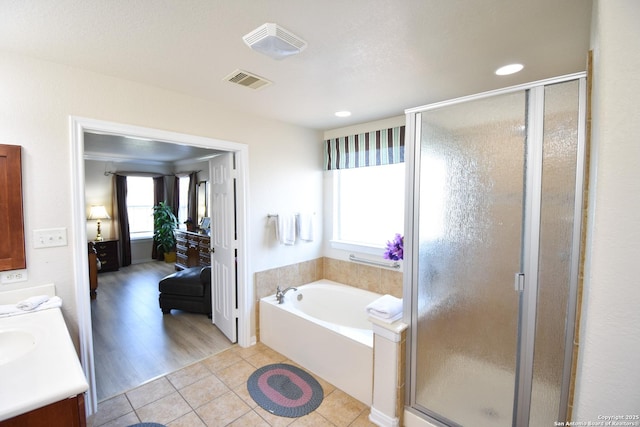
x: 374, y: 279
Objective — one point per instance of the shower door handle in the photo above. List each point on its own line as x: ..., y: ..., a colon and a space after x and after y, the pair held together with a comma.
x: 519, y: 282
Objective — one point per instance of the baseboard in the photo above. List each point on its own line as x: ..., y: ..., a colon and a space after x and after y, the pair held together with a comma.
x: 383, y: 420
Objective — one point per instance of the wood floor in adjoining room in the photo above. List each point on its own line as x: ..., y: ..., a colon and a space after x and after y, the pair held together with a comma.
x: 133, y: 341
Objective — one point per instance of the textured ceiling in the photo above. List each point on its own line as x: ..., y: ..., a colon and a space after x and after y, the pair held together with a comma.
x: 372, y: 57
x: 120, y: 149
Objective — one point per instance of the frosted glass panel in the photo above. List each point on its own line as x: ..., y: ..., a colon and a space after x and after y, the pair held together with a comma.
x: 470, y: 220
x: 557, y: 216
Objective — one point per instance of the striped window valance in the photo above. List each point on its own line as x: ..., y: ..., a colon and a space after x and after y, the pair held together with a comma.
x: 381, y: 147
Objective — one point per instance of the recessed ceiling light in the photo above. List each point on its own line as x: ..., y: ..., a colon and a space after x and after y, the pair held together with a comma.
x: 343, y: 113
x: 509, y: 69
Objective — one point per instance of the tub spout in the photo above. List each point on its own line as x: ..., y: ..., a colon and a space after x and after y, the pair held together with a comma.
x: 280, y: 293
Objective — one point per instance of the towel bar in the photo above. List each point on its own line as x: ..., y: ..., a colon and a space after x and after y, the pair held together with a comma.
x: 394, y: 264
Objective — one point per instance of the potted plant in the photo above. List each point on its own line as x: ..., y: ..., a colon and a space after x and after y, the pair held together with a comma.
x: 165, y: 224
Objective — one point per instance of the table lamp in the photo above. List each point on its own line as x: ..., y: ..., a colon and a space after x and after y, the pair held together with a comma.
x: 98, y: 213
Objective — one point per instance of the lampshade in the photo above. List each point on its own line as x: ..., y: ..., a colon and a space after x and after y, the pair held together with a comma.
x: 98, y: 212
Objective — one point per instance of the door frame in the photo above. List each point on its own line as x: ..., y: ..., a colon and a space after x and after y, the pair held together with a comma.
x: 77, y: 128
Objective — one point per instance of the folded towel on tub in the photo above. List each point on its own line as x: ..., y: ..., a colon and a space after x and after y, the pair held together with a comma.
x: 387, y: 307
x: 389, y: 320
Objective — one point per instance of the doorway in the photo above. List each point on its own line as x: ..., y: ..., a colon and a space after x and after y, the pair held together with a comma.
x: 244, y: 289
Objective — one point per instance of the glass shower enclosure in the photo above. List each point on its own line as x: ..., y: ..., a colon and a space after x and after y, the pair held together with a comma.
x: 493, y: 237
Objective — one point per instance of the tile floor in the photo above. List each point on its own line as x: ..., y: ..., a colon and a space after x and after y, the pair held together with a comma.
x: 213, y: 392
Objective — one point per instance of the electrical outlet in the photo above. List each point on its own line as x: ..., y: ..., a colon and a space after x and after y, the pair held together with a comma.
x: 13, y: 276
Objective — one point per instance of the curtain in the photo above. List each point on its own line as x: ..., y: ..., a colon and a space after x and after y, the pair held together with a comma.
x: 176, y: 196
x: 123, y: 220
x: 158, y: 196
x: 381, y: 147
x: 192, y: 203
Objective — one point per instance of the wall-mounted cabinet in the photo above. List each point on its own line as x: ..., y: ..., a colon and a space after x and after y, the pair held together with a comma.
x: 12, y: 253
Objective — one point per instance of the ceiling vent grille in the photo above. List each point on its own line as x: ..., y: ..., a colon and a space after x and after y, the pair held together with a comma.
x: 246, y: 79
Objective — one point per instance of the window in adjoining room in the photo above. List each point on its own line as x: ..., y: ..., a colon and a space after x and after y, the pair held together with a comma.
x: 140, y: 206
x: 183, y: 209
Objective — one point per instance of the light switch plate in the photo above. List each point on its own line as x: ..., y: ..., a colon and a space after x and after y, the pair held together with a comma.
x: 49, y: 237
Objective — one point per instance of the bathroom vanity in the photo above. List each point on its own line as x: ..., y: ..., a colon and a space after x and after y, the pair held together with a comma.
x: 42, y: 381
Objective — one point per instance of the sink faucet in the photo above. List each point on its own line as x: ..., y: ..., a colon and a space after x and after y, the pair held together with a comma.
x: 280, y: 293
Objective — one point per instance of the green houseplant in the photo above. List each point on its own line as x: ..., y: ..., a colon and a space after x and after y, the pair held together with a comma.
x: 165, y: 224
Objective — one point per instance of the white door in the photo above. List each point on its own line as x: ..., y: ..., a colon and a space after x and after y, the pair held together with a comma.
x: 223, y: 245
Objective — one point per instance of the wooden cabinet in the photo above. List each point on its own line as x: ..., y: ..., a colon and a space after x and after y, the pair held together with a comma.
x: 68, y: 413
x: 12, y: 254
x: 107, y: 252
x: 192, y: 249
x: 93, y: 270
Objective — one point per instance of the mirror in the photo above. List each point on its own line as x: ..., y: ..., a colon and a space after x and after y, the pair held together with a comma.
x: 12, y: 252
x: 203, y: 200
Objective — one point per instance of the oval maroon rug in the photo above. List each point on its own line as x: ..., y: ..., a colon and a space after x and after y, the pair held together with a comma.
x: 285, y: 390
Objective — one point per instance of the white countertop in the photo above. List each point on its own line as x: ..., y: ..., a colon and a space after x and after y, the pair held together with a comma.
x: 50, y: 371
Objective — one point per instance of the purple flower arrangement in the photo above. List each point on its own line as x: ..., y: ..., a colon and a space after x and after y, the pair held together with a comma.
x: 395, y: 248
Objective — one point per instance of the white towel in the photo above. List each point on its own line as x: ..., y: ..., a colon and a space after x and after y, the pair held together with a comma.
x: 13, y: 310
x: 387, y: 307
x: 53, y: 302
x: 286, y: 229
x: 389, y: 320
x: 305, y: 227
x: 7, y: 309
x: 32, y: 302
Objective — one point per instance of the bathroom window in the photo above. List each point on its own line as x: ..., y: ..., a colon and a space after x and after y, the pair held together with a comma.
x: 140, y: 206
x: 368, y: 207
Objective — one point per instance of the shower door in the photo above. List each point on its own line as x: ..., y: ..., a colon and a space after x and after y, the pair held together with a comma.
x: 492, y: 237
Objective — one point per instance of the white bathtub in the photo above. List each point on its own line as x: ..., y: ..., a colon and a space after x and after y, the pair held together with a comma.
x: 323, y: 327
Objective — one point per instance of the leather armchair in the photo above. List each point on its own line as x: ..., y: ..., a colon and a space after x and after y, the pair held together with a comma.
x: 188, y: 290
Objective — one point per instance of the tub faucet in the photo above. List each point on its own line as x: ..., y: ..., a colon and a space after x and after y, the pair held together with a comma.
x: 280, y: 293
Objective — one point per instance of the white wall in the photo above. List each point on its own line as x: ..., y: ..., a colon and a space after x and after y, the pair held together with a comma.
x: 608, y: 371
x: 37, y: 99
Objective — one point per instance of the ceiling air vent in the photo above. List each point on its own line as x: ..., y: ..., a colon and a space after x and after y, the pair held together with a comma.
x: 244, y: 78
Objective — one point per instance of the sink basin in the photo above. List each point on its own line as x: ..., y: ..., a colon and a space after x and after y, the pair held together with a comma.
x: 15, y: 343
x: 38, y: 363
